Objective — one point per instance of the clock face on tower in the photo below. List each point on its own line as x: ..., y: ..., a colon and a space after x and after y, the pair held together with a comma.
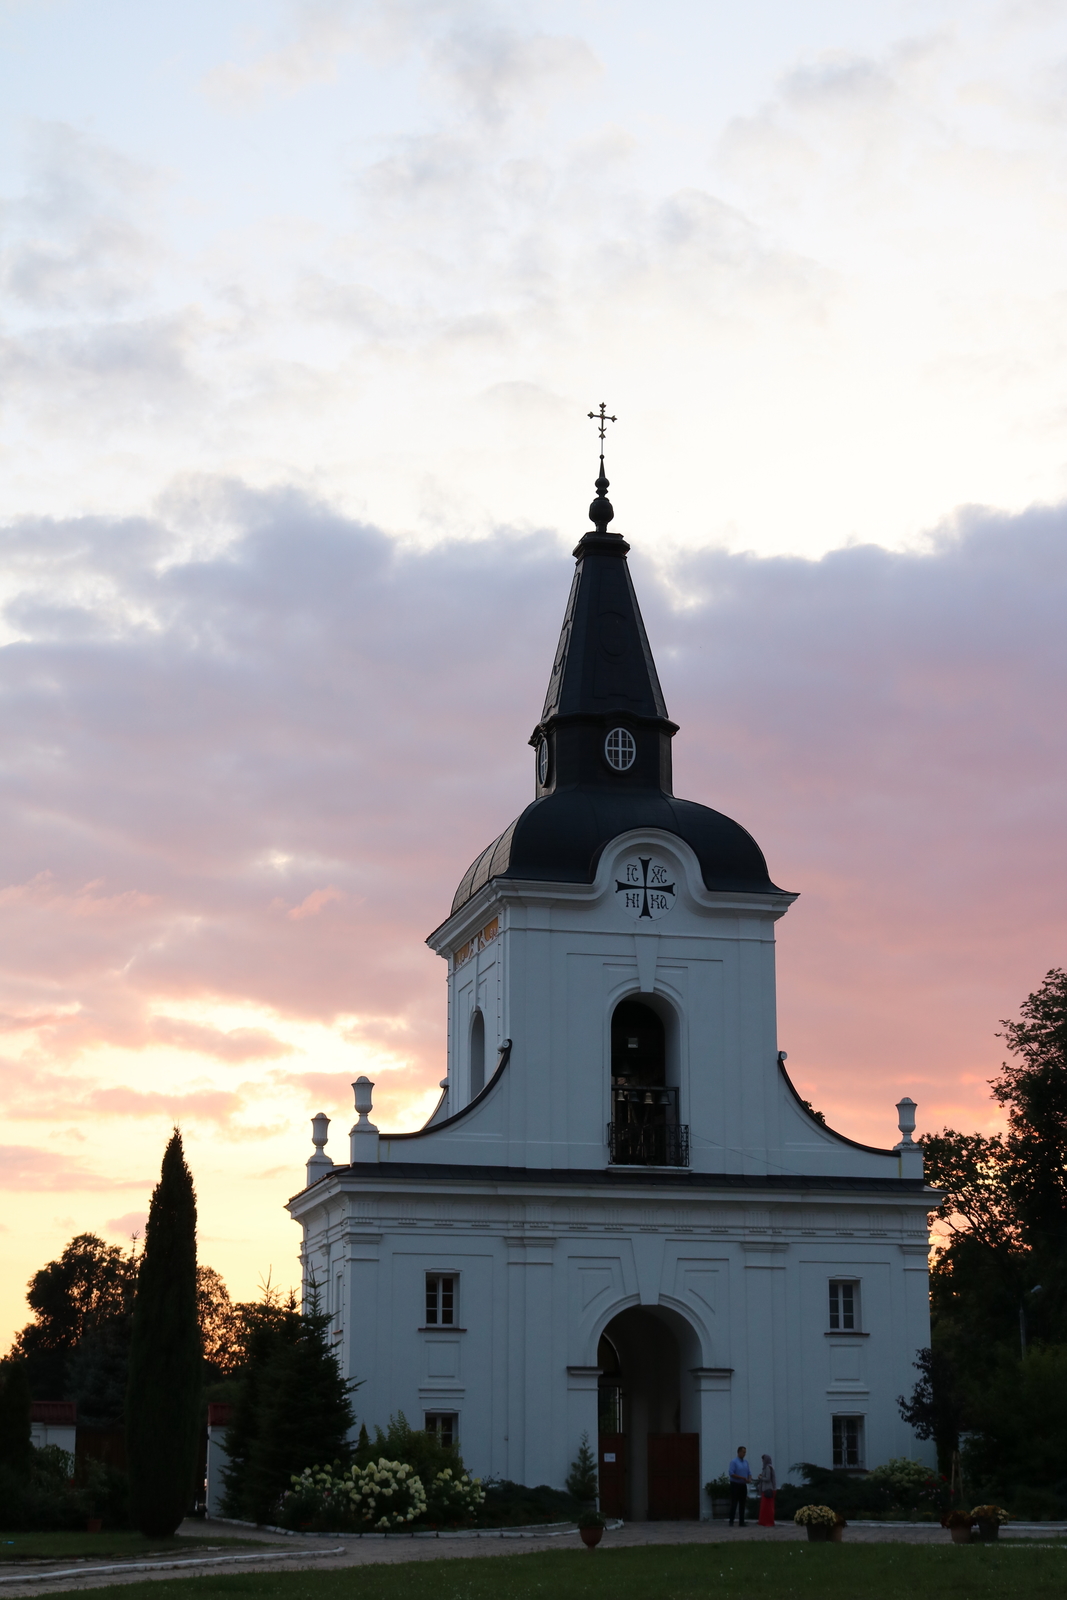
x: 645, y: 888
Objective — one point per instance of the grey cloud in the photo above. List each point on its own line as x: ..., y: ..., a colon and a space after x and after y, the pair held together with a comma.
x: 73, y: 244
x: 499, y: 69
x: 311, y: 716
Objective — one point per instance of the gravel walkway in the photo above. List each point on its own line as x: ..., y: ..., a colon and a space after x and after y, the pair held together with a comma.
x: 331, y: 1553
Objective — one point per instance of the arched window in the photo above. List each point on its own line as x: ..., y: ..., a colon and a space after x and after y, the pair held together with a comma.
x: 644, y: 1108
x: 638, y: 1044
x: 477, y: 1054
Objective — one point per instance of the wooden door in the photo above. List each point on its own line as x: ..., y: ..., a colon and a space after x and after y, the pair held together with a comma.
x: 612, y: 1468
x: 673, y: 1477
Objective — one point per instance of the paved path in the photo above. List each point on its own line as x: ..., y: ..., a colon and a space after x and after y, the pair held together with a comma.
x: 301, y: 1554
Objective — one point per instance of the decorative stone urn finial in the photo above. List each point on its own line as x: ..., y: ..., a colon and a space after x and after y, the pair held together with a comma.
x: 364, y: 1093
x: 906, y: 1119
x: 910, y: 1153
x: 320, y: 1162
x: 363, y: 1135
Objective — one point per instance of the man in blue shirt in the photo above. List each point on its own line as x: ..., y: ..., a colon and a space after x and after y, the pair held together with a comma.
x: 740, y: 1473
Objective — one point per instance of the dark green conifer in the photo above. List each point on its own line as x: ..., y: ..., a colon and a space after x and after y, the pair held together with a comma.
x: 305, y: 1416
x: 582, y: 1479
x: 163, y: 1397
x: 16, y: 1449
x: 267, y: 1327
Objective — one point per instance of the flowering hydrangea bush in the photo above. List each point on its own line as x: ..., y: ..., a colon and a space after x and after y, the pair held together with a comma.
x: 382, y: 1495
x: 453, y: 1497
x: 910, y: 1484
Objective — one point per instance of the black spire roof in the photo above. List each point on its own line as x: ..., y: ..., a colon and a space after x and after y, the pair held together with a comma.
x: 604, y: 745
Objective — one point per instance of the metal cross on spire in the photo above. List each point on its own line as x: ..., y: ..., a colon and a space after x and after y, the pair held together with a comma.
x: 602, y: 418
x: 600, y: 511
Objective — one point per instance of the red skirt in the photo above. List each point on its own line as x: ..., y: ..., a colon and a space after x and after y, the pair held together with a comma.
x: 766, y: 1511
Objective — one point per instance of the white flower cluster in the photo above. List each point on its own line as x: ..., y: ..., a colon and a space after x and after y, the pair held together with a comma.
x: 384, y: 1494
x: 454, y: 1496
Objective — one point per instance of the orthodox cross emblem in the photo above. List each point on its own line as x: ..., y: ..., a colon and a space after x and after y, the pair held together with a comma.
x: 646, y: 888
x: 602, y: 418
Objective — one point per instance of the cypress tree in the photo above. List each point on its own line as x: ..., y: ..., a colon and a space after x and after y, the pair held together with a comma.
x: 163, y: 1397
x: 16, y: 1449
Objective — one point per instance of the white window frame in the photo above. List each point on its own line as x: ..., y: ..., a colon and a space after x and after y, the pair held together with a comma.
x: 431, y: 1421
x: 620, y: 749
x: 837, y: 1429
x: 441, y: 1304
x: 836, y: 1305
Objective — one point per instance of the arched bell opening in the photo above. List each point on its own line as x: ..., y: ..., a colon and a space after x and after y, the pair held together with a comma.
x: 477, y: 1074
x: 645, y: 1130
x: 649, y: 1409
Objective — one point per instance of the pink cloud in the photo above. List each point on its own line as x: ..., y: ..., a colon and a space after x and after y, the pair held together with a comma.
x: 886, y: 724
x: 313, y: 903
x: 131, y: 1222
x: 213, y: 1105
x: 24, y: 1168
x: 234, y: 1044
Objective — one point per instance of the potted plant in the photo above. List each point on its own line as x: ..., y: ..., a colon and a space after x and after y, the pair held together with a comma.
x: 820, y: 1522
x: 958, y: 1524
x: 591, y: 1528
x: 718, y: 1492
x: 837, y: 1532
x: 989, y: 1520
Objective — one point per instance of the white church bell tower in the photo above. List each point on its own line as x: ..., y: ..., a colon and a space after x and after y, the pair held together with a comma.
x: 621, y: 1218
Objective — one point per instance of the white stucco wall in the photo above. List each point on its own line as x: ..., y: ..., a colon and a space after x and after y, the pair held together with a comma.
x: 543, y: 1270
x: 515, y: 1195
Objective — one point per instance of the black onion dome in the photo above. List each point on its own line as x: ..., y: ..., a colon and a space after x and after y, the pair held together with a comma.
x: 560, y: 837
x: 604, y: 695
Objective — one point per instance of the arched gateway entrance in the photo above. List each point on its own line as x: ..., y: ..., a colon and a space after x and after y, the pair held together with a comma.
x: 649, y: 1437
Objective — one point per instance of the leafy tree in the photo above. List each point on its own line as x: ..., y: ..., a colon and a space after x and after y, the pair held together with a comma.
x: 162, y: 1402
x: 89, y: 1288
x: 935, y: 1410
x: 16, y: 1448
x: 1001, y: 1270
x: 220, y: 1321
x: 305, y: 1413
x: 1022, y: 1432
x: 1033, y: 1088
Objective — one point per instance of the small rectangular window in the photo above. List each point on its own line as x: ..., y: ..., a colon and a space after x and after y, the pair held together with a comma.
x: 444, y: 1425
x: 844, y: 1306
x: 848, y: 1442
x: 440, y: 1300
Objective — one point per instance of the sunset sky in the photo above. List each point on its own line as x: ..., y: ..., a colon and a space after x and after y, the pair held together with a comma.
x: 303, y: 309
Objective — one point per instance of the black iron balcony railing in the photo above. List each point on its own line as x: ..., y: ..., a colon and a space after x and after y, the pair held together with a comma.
x: 649, y: 1144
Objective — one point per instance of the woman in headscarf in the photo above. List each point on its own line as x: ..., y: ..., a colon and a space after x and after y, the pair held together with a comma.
x: 768, y: 1485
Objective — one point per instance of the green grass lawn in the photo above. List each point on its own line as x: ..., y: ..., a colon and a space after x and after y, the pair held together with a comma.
x: 671, y: 1572
x: 99, y: 1546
